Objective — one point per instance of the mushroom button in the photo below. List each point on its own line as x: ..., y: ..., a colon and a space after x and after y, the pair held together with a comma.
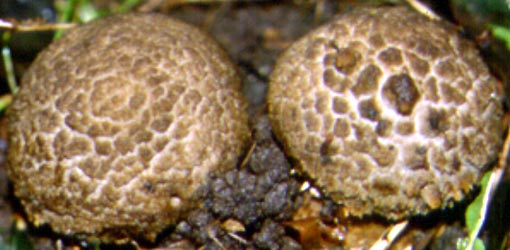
x: 391, y: 113
x: 119, y: 123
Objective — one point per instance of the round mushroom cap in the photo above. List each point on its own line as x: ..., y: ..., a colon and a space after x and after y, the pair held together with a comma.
x: 119, y: 123
x: 391, y: 113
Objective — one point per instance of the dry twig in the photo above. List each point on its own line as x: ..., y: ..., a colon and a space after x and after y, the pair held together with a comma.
x: 32, y: 25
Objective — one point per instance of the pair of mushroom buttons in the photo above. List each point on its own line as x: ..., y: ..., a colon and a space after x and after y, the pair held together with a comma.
x: 119, y: 123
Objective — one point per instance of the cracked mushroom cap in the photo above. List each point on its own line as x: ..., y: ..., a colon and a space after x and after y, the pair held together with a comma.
x: 118, y: 124
x: 391, y: 113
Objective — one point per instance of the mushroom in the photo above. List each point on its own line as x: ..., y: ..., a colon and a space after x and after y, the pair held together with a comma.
x: 389, y: 112
x: 119, y: 123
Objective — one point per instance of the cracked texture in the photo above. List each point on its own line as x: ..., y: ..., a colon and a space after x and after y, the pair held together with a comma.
x: 391, y: 113
x: 119, y: 122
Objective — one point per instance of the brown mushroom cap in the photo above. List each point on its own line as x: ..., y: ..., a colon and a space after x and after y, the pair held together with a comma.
x: 118, y: 124
x: 391, y: 113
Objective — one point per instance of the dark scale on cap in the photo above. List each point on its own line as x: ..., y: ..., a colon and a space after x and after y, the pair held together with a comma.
x: 385, y: 185
x: 340, y: 105
x: 430, y: 90
x: 405, y: 128
x: 346, y: 60
x: 447, y: 69
x: 391, y: 56
x: 342, y: 127
x: 418, y: 65
x: 376, y: 41
x: 312, y: 122
x: 368, y: 80
x: 322, y: 102
x: 384, y: 127
x: 401, y: 92
x: 327, y: 149
x: 436, y: 122
x: 451, y: 93
x: 384, y: 155
x: 416, y: 158
x: 335, y: 81
x: 368, y: 109
x: 424, y: 47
